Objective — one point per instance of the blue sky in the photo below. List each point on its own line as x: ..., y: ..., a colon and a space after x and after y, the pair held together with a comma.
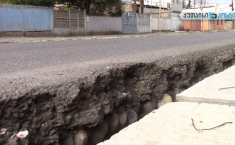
x: 224, y: 4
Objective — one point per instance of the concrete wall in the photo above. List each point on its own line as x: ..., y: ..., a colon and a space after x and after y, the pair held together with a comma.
x: 166, y: 24
x: 169, y: 22
x: 103, y: 25
x: 176, y: 22
x: 149, y: 10
x: 67, y: 32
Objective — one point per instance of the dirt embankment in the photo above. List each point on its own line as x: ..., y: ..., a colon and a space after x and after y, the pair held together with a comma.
x: 107, y: 104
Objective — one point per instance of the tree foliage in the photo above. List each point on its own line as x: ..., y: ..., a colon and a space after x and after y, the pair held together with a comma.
x: 97, y: 7
x: 109, y: 7
x: 31, y: 2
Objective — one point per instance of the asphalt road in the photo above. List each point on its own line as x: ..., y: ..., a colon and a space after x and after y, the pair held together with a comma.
x: 35, y: 62
x: 16, y: 57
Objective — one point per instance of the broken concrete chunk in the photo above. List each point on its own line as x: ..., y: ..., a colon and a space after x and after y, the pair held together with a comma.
x: 113, y: 122
x: 2, y: 133
x: 132, y: 116
x: 166, y: 99
x: 22, y: 134
x: 3, y: 129
x: 100, y: 132
x: 122, y: 117
x: 67, y: 141
x: 80, y: 138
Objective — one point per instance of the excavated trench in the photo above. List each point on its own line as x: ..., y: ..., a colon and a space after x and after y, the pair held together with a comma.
x: 107, y: 104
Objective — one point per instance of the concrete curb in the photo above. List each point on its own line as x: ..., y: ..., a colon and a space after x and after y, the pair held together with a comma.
x: 216, y: 89
x: 172, y: 125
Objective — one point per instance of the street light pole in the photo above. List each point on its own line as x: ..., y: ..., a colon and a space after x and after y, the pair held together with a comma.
x: 194, y: 4
x: 142, y: 6
x: 160, y: 17
x: 202, y: 14
x: 134, y: 6
x: 232, y: 20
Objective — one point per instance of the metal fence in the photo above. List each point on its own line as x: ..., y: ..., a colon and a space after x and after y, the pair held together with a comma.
x: 144, y: 23
x: 133, y: 23
x: 69, y: 22
x: 25, y: 18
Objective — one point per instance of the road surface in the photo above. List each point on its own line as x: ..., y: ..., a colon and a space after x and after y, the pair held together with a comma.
x: 40, y: 62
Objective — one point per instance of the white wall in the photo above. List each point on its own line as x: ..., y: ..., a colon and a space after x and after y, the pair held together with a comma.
x: 176, y: 23
x: 67, y: 32
x: 168, y: 24
x: 165, y: 23
x: 103, y: 25
x: 149, y: 10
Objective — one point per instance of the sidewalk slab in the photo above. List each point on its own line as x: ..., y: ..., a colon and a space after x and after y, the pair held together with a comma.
x: 210, y: 90
x: 171, y: 124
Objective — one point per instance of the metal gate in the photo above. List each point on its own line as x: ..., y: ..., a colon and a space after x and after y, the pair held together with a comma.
x: 144, y: 23
x: 129, y: 23
x: 71, y: 22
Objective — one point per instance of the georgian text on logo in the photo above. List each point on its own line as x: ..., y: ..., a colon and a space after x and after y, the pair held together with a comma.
x: 207, y: 16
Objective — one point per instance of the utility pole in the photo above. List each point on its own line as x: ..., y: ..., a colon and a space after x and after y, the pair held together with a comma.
x: 134, y: 6
x: 202, y: 14
x: 142, y: 6
x: 194, y: 4
x: 151, y: 6
x: 232, y: 20
x: 160, y: 16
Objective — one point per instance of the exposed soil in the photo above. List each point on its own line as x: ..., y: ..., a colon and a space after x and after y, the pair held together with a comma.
x: 106, y: 104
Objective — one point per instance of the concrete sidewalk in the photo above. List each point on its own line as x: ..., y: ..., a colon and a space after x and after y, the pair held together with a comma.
x: 172, y: 125
x: 43, y: 39
x: 217, y: 89
x: 183, y: 123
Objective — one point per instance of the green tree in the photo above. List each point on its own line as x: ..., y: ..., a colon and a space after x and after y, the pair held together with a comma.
x: 109, y: 7
x: 100, y: 7
x: 31, y: 2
